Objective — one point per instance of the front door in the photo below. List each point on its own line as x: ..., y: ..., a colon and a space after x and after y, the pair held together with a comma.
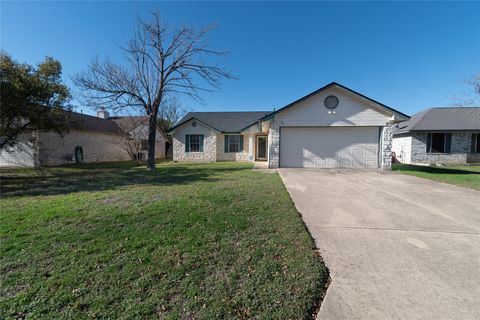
x: 261, y: 148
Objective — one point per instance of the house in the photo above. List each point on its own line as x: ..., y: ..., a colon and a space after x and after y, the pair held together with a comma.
x: 89, y: 139
x: 331, y: 127
x: 439, y: 135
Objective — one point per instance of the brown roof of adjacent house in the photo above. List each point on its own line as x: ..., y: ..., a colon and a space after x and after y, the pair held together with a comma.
x: 442, y: 119
x: 111, y: 125
x: 86, y: 122
x: 128, y: 123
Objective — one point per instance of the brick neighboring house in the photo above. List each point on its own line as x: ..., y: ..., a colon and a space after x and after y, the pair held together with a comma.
x: 90, y: 139
x: 439, y: 135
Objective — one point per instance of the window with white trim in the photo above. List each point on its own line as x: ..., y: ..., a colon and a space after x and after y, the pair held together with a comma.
x: 439, y: 142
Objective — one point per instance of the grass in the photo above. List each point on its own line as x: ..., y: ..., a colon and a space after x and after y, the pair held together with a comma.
x: 465, y: 176
x: 114, y: 241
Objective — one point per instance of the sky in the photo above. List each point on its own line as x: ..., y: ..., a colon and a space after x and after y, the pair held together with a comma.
x: 407, y: 55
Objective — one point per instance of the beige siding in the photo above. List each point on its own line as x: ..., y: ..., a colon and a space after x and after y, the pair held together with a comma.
x: 209, y: 153
x: 246, y: 155
x: 97, y: 147
x: 351, y: 111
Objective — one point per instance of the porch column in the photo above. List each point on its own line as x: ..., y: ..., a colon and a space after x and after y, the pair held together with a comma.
x: 274, y: 146
x: 386, y: 147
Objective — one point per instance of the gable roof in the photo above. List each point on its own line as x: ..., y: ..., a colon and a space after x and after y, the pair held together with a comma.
x: 226, y: 122
x: 334, y: 84
x: 446, y: 119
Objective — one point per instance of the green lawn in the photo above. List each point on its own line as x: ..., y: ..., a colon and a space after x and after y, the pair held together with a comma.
x: 465, y: 176
x: 115, y: 241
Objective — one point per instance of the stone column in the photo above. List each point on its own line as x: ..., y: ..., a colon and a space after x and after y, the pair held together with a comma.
x: 274, y: 146
x: 386, y: 148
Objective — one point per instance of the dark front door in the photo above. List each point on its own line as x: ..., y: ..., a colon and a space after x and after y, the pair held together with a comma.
x: 262, y: 148
x: 78, y: 154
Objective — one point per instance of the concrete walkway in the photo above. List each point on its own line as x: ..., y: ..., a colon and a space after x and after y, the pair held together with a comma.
x: 262, y: 166
x: 398, y: 247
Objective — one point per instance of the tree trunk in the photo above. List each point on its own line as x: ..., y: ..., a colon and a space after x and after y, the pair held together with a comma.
x: 152, y: 133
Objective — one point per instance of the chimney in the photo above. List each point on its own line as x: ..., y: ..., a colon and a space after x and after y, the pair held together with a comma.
x: 102, y: 113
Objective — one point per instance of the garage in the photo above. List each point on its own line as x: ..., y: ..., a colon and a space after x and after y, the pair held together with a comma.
x: 329, y: 147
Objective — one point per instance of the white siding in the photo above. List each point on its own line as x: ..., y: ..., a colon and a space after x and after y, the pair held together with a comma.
x: 22, y: 154
x: 402, y: 146
x: 329, y: 147
x: 351, y: 111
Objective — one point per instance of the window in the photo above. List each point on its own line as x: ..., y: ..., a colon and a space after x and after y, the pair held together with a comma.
x: 439, y: 142
x: 194, y: 143
x: 144, y: 145
x: 233, y: 143
x: 475, y: 143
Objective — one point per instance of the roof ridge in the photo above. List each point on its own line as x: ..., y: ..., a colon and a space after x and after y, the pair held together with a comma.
x: 455, y: 107
x: 260, y: 111
x: 86, y: 115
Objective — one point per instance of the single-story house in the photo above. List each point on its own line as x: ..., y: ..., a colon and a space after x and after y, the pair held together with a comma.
x: 439, y: 135
x: 89, y: 139
x: 331, y: 127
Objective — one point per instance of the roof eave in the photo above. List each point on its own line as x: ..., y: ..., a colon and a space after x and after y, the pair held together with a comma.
x: 391, y: 110
x: 189, y: 119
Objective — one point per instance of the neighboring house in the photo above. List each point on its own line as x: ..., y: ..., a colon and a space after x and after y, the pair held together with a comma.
x: 90, y: 139
x: 331, y: 127
x: 439, y: 135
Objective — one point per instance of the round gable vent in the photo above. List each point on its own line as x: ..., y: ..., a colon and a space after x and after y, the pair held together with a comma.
x: 194, y: 124
x: 331, y: 102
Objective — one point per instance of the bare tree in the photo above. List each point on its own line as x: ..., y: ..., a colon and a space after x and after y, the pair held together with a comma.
x: 470, y: 97
x: 161, y: 62
x: 134, y: 138
x: 170, y: 113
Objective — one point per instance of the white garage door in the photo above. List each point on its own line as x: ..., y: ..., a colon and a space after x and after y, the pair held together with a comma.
x: 332, y: 147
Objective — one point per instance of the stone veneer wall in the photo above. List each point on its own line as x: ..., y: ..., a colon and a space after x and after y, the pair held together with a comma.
x: 274, y: 146
x: 209, y: 153
x: 460, y: 149
x: 386, y: 152
x: 235, y: 156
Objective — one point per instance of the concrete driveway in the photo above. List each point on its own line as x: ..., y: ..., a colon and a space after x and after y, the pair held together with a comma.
x: 398, y: 247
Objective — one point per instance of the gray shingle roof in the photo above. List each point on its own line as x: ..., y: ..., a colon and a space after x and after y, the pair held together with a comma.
x: 225, y: 121
x: 442, y: 119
